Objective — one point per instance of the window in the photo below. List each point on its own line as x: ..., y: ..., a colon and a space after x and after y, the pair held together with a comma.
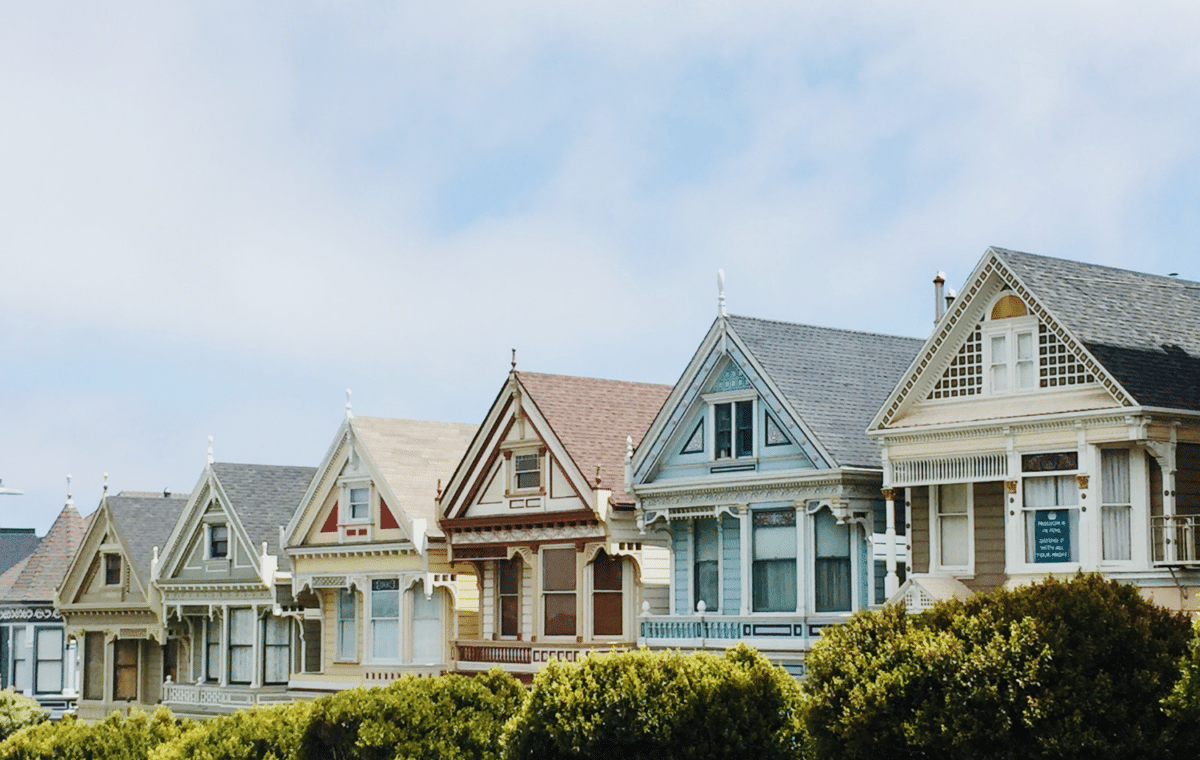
x: 21, y: 676
x: 93, y: 665
x: 1115, y: 504
x: 49, y: 660
x: 832, y: 569
x: 527, y: 471
x: 558, y: 591
x: 308, y: 646
x: 212, y: 649
x: 608, y: 618
x: 1051, y: 519
x: 734, y: 426
x: 1011, y: 361
x: 241, y: 645
x: 510, y: 597
x: 277, y: 635
x: 774, y: 571
x: 112, y: 569
x: 360, y: 503
x: 347, y: 625
x: 953, y: 525
x: 385, y: 619
x: 428, y: 640
x: 171, y: 660
x: 218, y: 541
x: 125, y: 669
x: 705, y: 568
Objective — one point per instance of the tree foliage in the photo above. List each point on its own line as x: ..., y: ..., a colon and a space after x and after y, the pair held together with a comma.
x: 648, y: 706
x: 1074, y: 669
x: 263, y: 733
x: 18, y: 711
x: 115, y: 738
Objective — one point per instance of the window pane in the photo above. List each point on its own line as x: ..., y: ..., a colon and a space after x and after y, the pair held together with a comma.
x: 93, y: 665
x: 1050, y: 535
x: 428, y: 639
x: 954, y: 540
x: 775, y: 534
x: 241, y: 626
x: 707, y: 576
x: 832, y: 584
x: 1054, y: 491
x: 774, y: 585
x: 528, y: 469
x: 347, y: 640
x: 558, y: 569
x: 385, y: 639
x: 723, y: 417
x: 560, y: 614
x: 360, y: 503
x: 606, y: 573
x: 278, y: 631
x: 219, y: 541
x: 510, y: 575
x: 385, y: 604
x: 1025, y: 347
x: 1115, y: 497
x: 606, y: 614
x: 510, y: 621
x: 1115, y: 525
x: 952, y: 499
x: 1114, y: 468
x: 112, y: 569
x: 22, y: 669
x: 125, y: 669
x: 833, y: 540
x: 745, y: 428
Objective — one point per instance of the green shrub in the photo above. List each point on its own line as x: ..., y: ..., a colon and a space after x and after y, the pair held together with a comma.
x: 114, y: 738
x: 650, y: 706
x: 262, y: 733
x: 18, y: 711
x: 1058, y: 669
x: 452, y: 716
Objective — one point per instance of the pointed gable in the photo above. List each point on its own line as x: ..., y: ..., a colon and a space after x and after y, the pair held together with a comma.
x: 36, y: 578
x: 592, y: 418
x: 142, y: 521
x: 263, y: 498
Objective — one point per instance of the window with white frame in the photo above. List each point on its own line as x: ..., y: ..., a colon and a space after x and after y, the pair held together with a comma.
x: 1051, y: 506
x: 558, y: 592
x: 241, y: 645
x: 428, y: 638
x: 93, y: 665
x: 952, y: 505
x: 277, y: 635
x: 508, y: 593
x: 733, y: 429
x: 608, y: 608
x: 218, y: 541
x: 1115, y: 505
x: 22, y: 668
x: 706, y: 582
x: 347, y: 625
x: 527, y: 472
x: 359, y: 498
x: 1011, y: 356
x: 832, y: 572
x: 385, y: 619
x: 774, y: 569
x: 49, y: 650
x: 212, y: 649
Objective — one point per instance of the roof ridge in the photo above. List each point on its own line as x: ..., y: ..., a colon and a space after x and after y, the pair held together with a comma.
x: 593, y: 379
x: 1176, y: 281
x: 829, y: 329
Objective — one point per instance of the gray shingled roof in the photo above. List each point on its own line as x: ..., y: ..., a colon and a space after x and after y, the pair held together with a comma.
x: 143, y: 521
x: 835, y: 379
x: 1144, y: 328
x: 15, y: 545
x: 44, y: 568
x: 264, y: 497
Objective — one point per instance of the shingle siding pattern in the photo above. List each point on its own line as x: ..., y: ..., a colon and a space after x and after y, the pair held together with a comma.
x: 836, y: 380
x: 412, y: 456
x: 43, y: 570
x: 15, y: 545
x: 591, y: 419
x: 144, y: 521
x: 1144, y: 328
x: 264, y: 498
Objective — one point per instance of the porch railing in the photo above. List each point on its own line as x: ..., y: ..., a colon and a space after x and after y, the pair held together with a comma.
x: 1176, y: 539
x: 210, y: 697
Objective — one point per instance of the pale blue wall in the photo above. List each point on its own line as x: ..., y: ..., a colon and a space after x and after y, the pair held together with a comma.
x: 679, y: 543
x: 731, y: 560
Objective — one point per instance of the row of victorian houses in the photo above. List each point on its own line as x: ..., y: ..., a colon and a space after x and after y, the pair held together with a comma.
x: 793, y: 475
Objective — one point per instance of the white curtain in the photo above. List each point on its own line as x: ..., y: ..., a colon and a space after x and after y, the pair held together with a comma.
x: 427, y: 644
x: 276, y: 650
x: 1115, y: 514
x: 241, y: 645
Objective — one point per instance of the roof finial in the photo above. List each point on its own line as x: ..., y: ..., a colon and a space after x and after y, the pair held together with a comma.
x: 210, y: 454
x: 106, y: 482
x: 69, y: 499
x: 628, y: 447
x: 514, y: 360
x: 439, y: 491
x: 349, y: 411
x: 721, y: 294
x: 597, y: 476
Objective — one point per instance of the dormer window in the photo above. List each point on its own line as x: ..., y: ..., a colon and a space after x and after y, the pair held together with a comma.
x: 527, y: 472
x: 112, y: 569
x: 733, y: 424
x: 360, y: 503
x: 218, y: 541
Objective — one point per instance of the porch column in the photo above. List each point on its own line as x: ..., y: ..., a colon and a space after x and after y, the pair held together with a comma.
x: 891, y: 581
x: 224, y: 680
x: 747, y: 555
x: 256, y: 654
x: 802, y: 558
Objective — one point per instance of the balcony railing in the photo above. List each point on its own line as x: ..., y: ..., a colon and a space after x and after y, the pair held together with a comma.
x: 717, y: 631
x: 1176, y: 539
x: 212, y: 698
x: 524, y: 656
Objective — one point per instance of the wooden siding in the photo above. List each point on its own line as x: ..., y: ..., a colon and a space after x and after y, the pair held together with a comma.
x: 731, y: 560
x: 679, y: 539
x: 918, y: 499
x: 1187, y: 479
x: 989, y: 537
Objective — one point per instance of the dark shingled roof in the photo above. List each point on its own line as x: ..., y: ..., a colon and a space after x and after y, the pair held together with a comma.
x: 41, y: 572
x: 144, y: 520
x: 592, y: 418
x: 15, y: 545
x: 835, y: 379
x: 264, y: 497
x: 1144, y: 328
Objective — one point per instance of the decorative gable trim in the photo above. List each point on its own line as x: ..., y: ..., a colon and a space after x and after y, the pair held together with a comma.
x: 928, y: 368
x: 175, y: 552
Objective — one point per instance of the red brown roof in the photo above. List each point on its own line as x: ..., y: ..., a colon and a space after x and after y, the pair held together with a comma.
x: 591, y: 418
x: 42, y: 571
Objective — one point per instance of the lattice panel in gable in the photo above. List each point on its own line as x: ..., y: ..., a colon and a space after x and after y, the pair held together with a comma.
x: 1057, y: 366
x: 964, y: 376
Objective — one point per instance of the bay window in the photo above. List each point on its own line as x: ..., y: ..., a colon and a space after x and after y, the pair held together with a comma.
x: 385, y: 619
x: 1051, y: 519
x: 774, y: 569
x: 558, y: 591
x: 832, y: 565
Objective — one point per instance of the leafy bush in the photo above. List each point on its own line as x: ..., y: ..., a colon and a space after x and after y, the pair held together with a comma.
x: 18, y: 711
x: 452, y: 716
x: 114, y: 738
x: 262, y: 733
x: 649, y: 706
x: 1058, y: 669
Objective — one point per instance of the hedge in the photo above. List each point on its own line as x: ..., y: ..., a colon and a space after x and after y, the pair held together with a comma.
x: 18, y: 711
x: 115, y: 738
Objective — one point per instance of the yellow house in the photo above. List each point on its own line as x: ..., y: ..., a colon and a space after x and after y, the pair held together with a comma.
x: 377, y: 598
x: 112, y: 609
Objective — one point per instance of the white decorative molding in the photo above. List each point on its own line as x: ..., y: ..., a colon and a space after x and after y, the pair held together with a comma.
x: 951, y: 469
x: 505, y: 535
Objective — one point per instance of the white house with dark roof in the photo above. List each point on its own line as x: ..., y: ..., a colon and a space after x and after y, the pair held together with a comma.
x: 1051, y: 424
x: 758, y: 476
x: 379, y: 599
x: 225, y: 585
x: 538, y: 512
x: 113, y: 611
x: 36, y: 657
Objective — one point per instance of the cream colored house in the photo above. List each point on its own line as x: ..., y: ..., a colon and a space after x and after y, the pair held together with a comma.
x: 111, y: 608
x: 538, y: 511
x: 1051, y: 424
x: 377, y: 598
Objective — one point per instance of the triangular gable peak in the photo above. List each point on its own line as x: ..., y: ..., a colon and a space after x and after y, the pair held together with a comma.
x: 998, y: 352
x: 378, y: 484
x: 209, y: 542
x: 723, y: 368
x: 94, y: 578
x: 517, y: 467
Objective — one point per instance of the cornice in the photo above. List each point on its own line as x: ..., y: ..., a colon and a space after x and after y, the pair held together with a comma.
x: 958, y: 431
x: 571, y: 532
x: 353, y: 550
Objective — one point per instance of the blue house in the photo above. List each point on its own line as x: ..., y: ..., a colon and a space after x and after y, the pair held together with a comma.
x: 759, y: 478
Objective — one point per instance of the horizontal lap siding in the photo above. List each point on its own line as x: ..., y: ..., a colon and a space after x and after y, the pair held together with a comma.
x: 989, y: 537
x: 919, y: 507
x: 679, y: 536
x: 731, y: 559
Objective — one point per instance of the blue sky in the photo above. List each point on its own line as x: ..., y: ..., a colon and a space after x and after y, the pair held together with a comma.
x: 216, y: 217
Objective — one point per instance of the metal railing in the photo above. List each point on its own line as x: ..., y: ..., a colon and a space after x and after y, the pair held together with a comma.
x: 1176, y: 539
